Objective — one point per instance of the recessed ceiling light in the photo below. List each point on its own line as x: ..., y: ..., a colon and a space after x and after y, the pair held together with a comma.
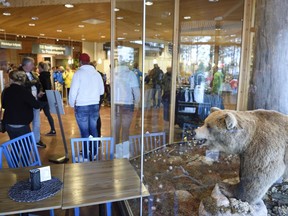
x: 57, y: 39
x: 213, y: 0
x: 83, y: 39
x: 2, y: 30
x: 59, y: 30
x: 81, y: 26
x: 41, y: 34
x: 6, y: 14
x: 149, y: 2
x: 116, y: 9
x: 34, y: 18
x: 103, y: 36
x: 31, y: 24
x: 158, y: 23
x: 136, y: 30
x: 120, y: 38
x: 187, y: 17
x: 120, y: 18
x: 69, y: 5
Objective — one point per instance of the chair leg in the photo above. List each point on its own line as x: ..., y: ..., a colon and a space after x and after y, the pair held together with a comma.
x: 77, y: 211
x: 51, y: 212
x: 109, y: 209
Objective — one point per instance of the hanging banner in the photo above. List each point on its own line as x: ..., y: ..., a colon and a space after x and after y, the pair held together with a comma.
x: 10, y: 44
x: 51, y: 49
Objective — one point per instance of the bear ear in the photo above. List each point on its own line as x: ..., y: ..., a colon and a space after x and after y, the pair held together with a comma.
x: 213, y: 109
x: 230, y: 121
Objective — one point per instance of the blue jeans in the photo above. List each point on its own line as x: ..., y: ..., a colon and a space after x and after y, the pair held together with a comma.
x: 36, y: 124
x: 156, y: 92
x: 86, y: 117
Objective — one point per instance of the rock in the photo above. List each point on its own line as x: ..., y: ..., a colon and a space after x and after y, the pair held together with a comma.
x: 219, y: 205
x: 175, y: 160
x: 183, y: 196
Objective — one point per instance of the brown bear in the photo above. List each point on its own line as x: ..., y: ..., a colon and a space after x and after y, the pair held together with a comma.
x: 259, y: 137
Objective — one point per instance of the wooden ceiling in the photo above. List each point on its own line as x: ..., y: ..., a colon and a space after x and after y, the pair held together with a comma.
x: 221, y: 21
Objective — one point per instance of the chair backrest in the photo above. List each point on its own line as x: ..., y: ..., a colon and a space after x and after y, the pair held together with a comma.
x: 21, y: 151
x: 151, y: 141
x: 91, y: 149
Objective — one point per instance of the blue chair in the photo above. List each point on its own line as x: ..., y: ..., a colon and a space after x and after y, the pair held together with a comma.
x: 151, y: 141
x: 22, y: 152
x: 92, y: 149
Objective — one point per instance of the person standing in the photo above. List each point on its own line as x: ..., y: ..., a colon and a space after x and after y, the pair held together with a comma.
x: 18, y: 104
x: 33, y: 84
x: 166, y: 86
x: 157, y: 76
x: 45, y: 79
x: 68, y: 76
x: 127, y: 93
x: 86, y: 88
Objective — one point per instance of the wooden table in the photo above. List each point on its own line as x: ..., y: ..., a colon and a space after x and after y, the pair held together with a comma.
x: 8, y: 177
x: 87, y: 184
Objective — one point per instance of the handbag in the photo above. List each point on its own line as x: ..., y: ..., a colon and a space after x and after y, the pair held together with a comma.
x: 2, y: 124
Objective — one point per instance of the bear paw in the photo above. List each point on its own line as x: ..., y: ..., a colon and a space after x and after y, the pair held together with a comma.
x: 227, y: 189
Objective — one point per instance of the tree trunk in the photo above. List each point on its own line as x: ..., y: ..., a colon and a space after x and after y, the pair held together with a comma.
x: 269, y: 79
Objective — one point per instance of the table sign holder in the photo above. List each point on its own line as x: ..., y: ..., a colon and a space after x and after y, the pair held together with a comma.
x: 56, y: 107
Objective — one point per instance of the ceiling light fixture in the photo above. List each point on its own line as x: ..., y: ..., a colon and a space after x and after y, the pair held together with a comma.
x: 120, y: 18
x: 81, y: 26
x: 34, y: 18
x: 116, y: 9
x: 149, y: 2
x: 213, y: 0
x: 41, y: 34
x: 2, y: 30
x: 69, y: 5
x: 187, y: 17
x: 31, y: 24
x: 6, y: 14
x: 59, y: 30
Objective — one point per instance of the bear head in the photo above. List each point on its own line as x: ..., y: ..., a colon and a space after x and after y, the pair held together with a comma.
x: 222, y: 131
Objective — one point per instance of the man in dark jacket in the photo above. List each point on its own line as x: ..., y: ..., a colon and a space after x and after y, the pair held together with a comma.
x: 45, y: 80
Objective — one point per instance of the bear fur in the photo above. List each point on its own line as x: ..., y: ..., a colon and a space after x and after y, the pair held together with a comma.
x: 259, y: 137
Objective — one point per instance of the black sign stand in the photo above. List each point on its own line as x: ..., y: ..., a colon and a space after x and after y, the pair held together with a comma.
x: 56, y: 106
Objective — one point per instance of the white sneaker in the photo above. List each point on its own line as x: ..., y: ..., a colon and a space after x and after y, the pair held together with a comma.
x: 81, y: 159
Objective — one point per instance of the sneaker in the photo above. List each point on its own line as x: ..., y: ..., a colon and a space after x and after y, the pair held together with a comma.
x: 80, y: 159
x: 51, y: 133
x: 40, y: 144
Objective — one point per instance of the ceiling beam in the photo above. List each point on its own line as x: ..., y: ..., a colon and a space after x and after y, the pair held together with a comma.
x: 31, y: 3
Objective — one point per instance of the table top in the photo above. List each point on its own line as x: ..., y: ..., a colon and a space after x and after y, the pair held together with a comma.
x: 100, y: 182
x: 11, y: 176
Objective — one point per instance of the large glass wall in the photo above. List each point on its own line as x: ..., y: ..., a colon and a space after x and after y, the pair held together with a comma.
x: 176, y: 174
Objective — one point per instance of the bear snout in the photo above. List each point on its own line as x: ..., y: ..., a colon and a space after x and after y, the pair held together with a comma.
x: 199, y: 140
